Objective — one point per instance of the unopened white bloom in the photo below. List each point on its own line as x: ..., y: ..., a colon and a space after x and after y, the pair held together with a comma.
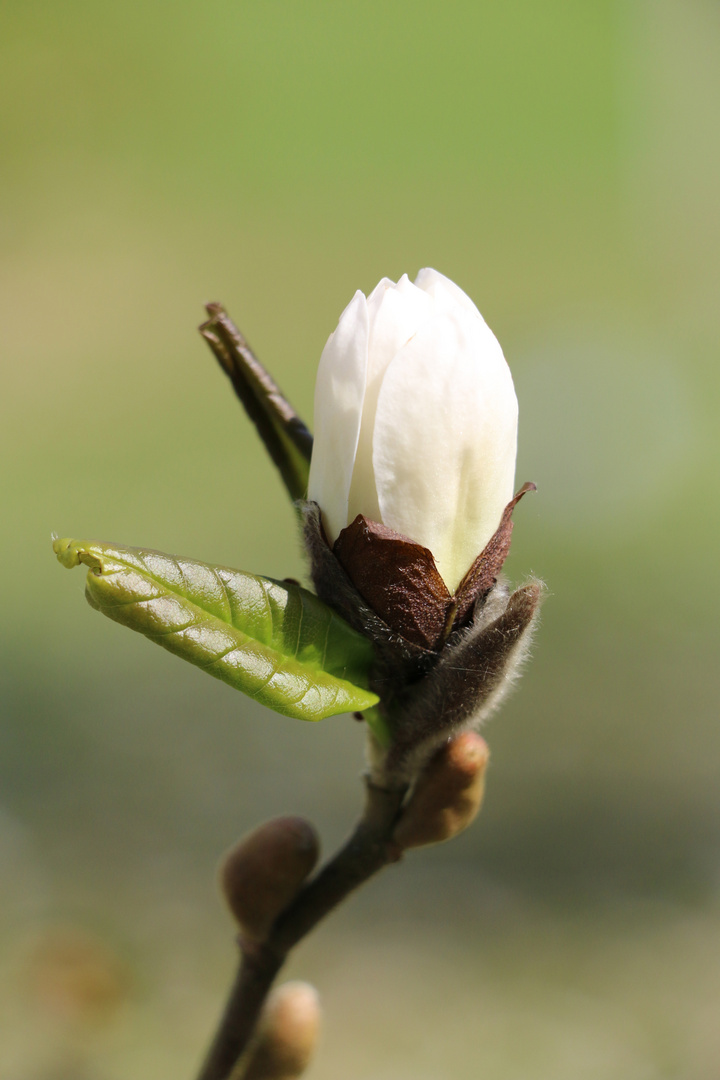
x: 415, y: 420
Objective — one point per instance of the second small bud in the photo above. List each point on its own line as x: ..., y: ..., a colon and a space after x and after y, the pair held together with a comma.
x: 287, y: 1034
x: 265, y: 870
x: 448, y: 793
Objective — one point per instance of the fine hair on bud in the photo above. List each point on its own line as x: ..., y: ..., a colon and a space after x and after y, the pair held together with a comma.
x: 447, y: 795
x: 474, y: 672
x: 287, y: 1034
x: 265, y: 870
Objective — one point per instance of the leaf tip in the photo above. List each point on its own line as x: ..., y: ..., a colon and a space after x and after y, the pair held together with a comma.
x: 66, y: 551
x: 73, y: 552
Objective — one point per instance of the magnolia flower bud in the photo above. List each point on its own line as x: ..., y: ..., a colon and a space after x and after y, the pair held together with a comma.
x: 415, y: 421
x: 409, y: 519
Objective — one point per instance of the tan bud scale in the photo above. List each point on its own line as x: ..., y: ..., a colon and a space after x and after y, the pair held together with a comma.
x: 447, y: 795
x: 287, y: 1034
x: 265, y: 870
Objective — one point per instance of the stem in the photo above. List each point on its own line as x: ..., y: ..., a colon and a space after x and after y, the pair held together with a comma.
x: 366, y: 851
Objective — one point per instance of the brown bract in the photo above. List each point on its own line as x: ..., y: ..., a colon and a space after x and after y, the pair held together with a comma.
x: 398, y: 578
x: 400, y: 581
x: 484, y: 571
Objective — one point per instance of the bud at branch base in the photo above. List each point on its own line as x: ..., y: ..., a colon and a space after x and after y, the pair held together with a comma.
x: 287, y: 1034
x: 447, y: 795
x: 265, y: 871
x: 415, y: 421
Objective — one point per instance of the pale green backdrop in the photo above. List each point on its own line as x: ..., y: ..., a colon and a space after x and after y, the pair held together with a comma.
x: 561, y: 162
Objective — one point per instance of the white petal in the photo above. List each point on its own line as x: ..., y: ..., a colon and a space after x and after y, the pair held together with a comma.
x: 445, y: 440
x: 339, y: 392
x: 395, y: 312
x: 447, y: 295
x: 375, y: 297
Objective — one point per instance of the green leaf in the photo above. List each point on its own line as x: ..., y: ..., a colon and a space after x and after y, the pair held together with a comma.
x: 275, y: 641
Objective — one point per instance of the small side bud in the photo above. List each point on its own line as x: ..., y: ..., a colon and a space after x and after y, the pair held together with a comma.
x: 447, y: 795
x: 264, y: 871
x: 287, y: 1034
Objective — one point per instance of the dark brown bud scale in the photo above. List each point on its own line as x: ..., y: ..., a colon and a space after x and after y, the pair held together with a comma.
x: 398, y: 578
x: 263, y: 873
x: 483, y: 573
x: 448, y: 794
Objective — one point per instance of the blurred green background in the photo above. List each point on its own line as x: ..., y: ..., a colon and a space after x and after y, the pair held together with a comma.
x: 561, y: 162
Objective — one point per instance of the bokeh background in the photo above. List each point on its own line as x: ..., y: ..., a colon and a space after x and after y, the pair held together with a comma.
x: 561, y: 162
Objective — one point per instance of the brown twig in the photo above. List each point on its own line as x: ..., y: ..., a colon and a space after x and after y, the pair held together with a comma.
x: 366, y: 852
x: 286, y: 438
